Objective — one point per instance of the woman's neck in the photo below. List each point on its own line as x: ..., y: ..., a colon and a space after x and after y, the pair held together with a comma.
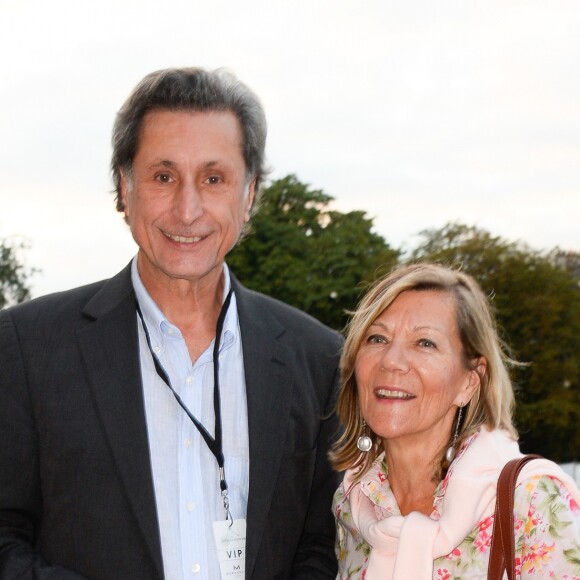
x: 411, y: 477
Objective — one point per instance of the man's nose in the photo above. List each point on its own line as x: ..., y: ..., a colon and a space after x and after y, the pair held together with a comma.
x: 189, y: 202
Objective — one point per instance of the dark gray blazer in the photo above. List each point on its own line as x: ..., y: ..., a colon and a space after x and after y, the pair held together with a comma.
x: 76, y: 490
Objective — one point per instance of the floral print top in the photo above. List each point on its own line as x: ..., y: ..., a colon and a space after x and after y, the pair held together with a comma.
x: 547, y: 531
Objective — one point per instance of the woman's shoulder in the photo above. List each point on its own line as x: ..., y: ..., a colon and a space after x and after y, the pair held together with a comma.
x: 547, y: 527
x: 542, y: 493
x: 546, y: 530
x: 546, y: 478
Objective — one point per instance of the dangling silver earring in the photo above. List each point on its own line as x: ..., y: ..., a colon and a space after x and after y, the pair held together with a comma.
x: 364, y: 442
x: 450, y: 453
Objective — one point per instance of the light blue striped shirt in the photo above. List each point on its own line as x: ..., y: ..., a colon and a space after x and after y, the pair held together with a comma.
x: 185, y: 472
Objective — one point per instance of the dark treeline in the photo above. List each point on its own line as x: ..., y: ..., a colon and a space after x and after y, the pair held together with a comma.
x: 320, y: 260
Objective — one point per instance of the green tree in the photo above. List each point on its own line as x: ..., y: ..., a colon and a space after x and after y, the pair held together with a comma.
x: 308, y: 255
x: 570, y: 261
x: 13, y: 275
x: 537, y: 301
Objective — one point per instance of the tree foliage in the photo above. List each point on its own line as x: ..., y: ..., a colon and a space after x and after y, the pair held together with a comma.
x: 537, y: 302
x: 305, y: 253
x: 308, y: 255
x: 320, y: 260
x: 13, y: 274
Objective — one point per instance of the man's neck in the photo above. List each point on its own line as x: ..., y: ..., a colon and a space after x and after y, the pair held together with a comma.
x: 191, y: 305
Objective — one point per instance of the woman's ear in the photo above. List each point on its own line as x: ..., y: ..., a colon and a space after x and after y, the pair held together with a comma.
x: 476, y: 374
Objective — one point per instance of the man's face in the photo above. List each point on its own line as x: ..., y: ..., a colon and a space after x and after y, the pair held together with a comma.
x: 188, y: 197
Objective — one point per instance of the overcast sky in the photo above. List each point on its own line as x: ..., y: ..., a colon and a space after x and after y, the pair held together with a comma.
x: 417, y: 112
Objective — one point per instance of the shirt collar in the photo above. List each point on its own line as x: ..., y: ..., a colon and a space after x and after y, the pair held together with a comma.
x: 161, y: 329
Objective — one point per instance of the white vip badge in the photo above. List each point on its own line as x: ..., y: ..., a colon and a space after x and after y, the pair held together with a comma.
x: 230, y: 543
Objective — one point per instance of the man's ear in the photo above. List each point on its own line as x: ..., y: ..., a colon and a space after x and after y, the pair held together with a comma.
x: 124, y: 186
x: 250, y: 200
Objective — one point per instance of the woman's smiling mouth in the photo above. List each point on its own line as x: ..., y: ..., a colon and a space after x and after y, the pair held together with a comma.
x: 392, y: 394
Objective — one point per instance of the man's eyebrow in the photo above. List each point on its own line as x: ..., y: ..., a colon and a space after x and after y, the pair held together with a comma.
x: 163, y: 163
x: 171, y: 164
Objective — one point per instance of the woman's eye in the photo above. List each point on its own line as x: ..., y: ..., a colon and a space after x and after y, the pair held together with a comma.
x: 427, y: 343
x: 376, y: 339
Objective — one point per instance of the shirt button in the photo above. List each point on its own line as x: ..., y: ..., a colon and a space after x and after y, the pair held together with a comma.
x: 157, y: 350
x: 195, y: 568
x: 189, y: 380
x: 188, y: 443
x: 190, y: 506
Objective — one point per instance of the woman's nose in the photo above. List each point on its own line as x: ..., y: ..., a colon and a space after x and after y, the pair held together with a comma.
x: 394, y: 357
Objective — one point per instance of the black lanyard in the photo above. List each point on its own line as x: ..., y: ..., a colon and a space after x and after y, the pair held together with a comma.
x: 214, y: 444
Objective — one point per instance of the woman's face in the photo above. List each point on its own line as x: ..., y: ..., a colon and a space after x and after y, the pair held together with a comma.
x: 410, y: 371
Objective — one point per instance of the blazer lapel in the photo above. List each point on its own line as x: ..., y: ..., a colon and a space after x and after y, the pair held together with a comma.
x: 110, y: 350
x: 268, y: 388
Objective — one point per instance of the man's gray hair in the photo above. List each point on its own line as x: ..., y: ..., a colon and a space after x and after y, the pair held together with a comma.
x: 189, y: 89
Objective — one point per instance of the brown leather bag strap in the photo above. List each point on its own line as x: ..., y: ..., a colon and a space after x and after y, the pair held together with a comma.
x: 502, y: 556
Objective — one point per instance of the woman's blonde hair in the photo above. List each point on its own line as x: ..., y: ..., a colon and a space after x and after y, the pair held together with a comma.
x: 493, y: 403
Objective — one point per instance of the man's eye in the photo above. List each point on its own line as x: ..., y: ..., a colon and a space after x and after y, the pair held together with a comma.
x: 163, y: 177
x: 213, y: 179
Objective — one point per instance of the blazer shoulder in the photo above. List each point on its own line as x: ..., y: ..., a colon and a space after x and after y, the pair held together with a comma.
x: 52, y: 306
x: 292, y: 320
x: 61, y: 309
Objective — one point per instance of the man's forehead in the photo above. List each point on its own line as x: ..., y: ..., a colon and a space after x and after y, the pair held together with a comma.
x: 193, y: 120
x: 225, y: 125
x: 165, y: 116
x: 168, y: 138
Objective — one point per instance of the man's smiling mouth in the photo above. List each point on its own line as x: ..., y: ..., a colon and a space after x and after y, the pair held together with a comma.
x: 183, y: 239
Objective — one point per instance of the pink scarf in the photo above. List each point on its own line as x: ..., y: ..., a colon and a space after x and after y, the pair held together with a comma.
x: 404, y: 547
